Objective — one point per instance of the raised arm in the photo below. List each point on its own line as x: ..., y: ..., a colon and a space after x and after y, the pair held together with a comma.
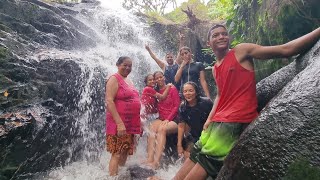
x: 111, y: 91
x: 160, y: 63
x: 178, y: 75
x: 181, y: 44
x: 204, y: 84
x: 165, y: 93
x: 294, y: 47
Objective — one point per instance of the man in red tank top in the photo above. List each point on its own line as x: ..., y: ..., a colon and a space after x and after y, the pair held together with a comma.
x: 236, y: 103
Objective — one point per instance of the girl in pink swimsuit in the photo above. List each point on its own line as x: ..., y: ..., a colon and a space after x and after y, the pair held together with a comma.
x: 123, y: 115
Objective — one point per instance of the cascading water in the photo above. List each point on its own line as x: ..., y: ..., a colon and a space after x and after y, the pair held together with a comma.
x: 117, y: 33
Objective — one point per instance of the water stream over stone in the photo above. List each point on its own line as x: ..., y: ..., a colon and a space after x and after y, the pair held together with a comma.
x: 117, y: 33
x: 76, y: 134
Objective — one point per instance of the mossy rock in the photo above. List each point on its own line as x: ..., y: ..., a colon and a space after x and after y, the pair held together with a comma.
x: 3, y: 53
x: 301, y: 169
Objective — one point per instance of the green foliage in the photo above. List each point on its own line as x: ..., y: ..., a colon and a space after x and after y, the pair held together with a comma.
x: 155, y: 16
x: 198, y: 8
x: 220, y: 9
x: 177, y: 16
x: 264, y: 69
x: 298, y: 19
x: 147, y: 5
x: 301, y: 169
x: 3, y: 53
x: 293, y: 19
x: 209, y: 52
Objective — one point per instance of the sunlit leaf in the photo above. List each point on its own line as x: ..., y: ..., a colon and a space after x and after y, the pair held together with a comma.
x: 6, y: 94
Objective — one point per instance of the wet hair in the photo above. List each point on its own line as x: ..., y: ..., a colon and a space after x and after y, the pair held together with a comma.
x: 121, y: 60
x: 214, y: 27
x: 146, y: 79
x: 169, y: 53
x: 184, y: 48
x: 196, y: 89
x: 154, y: 74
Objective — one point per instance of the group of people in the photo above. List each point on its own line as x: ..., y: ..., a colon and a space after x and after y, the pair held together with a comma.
x: 177, y: 100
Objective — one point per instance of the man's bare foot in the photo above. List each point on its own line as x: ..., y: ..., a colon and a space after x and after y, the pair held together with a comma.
x: 147, y: 162
x: 154, y: 165
x: 153, y: 178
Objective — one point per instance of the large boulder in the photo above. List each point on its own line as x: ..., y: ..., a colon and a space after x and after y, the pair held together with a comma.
x: 287, y: 128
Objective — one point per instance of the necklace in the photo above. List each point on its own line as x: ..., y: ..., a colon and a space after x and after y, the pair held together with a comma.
x: 189, y: 73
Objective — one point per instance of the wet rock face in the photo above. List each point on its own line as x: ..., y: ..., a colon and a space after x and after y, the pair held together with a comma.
x: 286, y: 130
x: 42, y: 25
x: 31, y: 82
x: 53, y: 86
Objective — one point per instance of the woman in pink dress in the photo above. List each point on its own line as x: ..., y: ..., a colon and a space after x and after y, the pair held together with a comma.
x: 123, y: 115
x: 165, y: 124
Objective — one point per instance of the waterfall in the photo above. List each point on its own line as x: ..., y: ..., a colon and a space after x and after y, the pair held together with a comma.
x: 82, y: 153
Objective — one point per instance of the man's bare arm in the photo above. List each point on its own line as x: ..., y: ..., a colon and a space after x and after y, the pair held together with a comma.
x: 160, y: 63
x: 294, y: 47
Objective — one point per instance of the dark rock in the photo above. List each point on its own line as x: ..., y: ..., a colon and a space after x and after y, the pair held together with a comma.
x: 138, y: 172
x: 286, y: 130
x: 11, y: 121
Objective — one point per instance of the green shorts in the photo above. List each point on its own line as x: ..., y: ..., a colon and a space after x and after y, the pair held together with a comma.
x: 214, y: 145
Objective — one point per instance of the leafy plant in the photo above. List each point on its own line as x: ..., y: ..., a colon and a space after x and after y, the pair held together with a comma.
x: 301, y: 169
x: 148, y: 5
x: 220, y: 9
x: 199, y: 9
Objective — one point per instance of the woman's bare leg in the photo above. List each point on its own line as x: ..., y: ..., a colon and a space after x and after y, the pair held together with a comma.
x: 163, y: 130
x: 151, y: 140
x: 114, y: 164
x: 123, y: 158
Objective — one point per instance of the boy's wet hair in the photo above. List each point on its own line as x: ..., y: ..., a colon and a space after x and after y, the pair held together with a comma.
x: 169, y: 53
x: 214, y: 27
x: 121, y: 59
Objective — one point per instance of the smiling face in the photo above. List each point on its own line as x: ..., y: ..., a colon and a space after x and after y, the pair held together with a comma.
x: 150, y: 81
x: 160, y: 79
x: 125, y: 67
x: 219, y: 39
x: 169, y: 58
x: 189, y: 93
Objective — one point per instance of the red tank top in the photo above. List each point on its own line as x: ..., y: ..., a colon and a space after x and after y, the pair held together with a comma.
x: 237, y: 86
x: 127, y: 103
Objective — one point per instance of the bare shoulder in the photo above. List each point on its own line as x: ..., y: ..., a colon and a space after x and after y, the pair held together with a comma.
x: 111, y: 81
x: 245, y: 48
x: 242, y: 51
x: 247, y: 51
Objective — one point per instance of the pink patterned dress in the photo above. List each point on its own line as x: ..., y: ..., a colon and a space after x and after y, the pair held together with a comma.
x: 127, y: 103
